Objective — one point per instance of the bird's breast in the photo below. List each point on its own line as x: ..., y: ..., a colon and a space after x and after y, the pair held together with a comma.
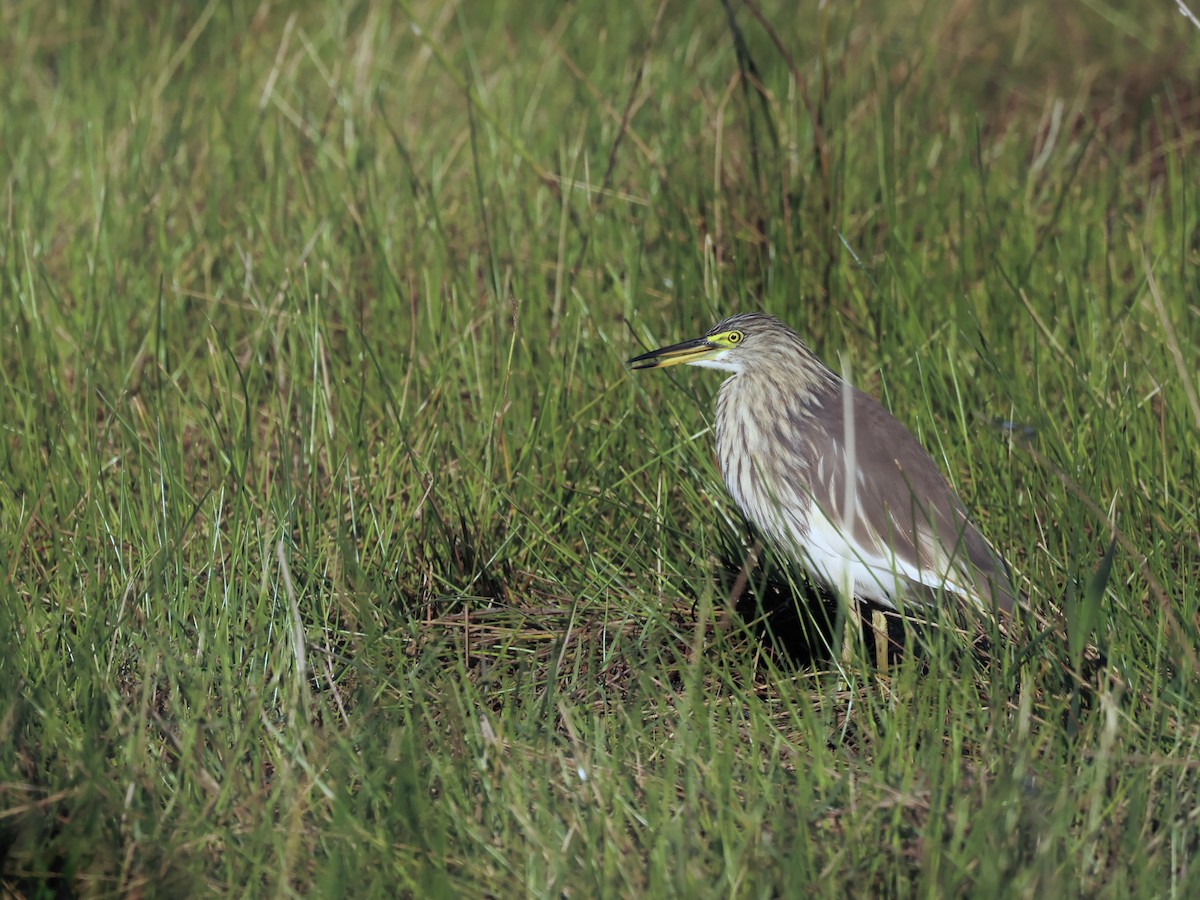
x: 764, y: 455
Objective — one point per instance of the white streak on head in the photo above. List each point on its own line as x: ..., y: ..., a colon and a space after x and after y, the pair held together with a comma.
x: 724, y: 360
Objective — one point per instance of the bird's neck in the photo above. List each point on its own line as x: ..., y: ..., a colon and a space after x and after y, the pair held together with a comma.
x: 760, y: 408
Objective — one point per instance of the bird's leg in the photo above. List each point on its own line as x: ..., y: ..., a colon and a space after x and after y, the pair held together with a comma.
x: 849, y: 637
x: 879, y: 625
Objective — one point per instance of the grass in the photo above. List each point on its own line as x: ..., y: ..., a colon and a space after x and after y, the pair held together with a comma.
x: 340, y: 552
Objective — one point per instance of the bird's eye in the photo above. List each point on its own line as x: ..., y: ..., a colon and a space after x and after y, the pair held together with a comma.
x: 734, y: 337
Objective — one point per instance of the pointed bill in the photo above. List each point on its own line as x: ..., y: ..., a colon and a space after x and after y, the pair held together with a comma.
x: 675, y: 355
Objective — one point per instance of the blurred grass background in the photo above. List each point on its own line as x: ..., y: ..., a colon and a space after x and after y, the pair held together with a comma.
x: 341, y: 554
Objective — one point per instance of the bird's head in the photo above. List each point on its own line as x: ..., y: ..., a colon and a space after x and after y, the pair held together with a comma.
x: 738, y: 344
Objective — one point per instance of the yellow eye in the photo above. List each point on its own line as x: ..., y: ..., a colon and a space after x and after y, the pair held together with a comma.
x: 734, y: 337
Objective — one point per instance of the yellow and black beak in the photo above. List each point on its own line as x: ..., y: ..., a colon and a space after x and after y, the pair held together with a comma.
x: 677, y: 354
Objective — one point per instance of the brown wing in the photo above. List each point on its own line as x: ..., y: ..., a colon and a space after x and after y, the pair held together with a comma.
x: 903, y: 502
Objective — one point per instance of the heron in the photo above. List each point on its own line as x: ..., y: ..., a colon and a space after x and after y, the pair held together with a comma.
x: 832, y: 480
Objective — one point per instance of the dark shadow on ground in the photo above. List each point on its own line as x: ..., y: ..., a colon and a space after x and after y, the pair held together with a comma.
x: 794, y: 615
